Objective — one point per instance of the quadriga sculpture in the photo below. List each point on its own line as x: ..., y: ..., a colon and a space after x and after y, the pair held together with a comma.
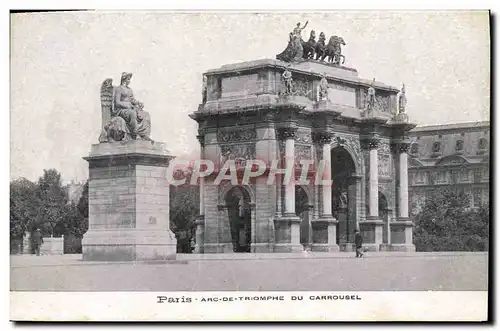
x: 123, y: 117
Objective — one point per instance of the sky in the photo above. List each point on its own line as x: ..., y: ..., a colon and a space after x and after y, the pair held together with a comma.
x: 59, y: 60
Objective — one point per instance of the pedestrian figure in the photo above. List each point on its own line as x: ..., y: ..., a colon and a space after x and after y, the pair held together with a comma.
x: 37, y: 240
x: 358, y: 240
x: 193, y: 245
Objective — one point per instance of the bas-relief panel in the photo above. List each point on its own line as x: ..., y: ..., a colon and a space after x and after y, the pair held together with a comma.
x: 384, y: 165
x: 236, y: 135
x: 342, y: 95
x: 303, y: 136
x: 302, y: 152
x: 237, y: 86
x: 382, y: 102
x: 240, y: 153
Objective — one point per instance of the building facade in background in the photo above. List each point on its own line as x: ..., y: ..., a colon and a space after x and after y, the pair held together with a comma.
x: 449, y: 156
x: 74, y: 190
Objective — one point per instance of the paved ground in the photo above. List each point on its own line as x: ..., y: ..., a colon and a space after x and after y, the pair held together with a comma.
x: 257, y: 272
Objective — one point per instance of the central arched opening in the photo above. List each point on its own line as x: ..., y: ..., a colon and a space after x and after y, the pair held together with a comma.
x: 240, y: 214
x: 344, y: 195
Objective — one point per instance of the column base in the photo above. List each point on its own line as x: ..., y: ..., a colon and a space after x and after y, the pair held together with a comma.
x: 262, y: 248
x: 402, y: 248
x: 218, y: 248
x: 324, y: 235
x: 371, y: 247
x: 287, y: 234
x: 347, y: 247
x: 325, y: 248
x: 372, y: 230
x: 402, y: 233
x: 288, y: 248
x: 200, y: 234
x: 129, y: 245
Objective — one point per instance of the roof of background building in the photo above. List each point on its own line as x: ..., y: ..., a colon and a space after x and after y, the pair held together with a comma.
x: 466, y: 125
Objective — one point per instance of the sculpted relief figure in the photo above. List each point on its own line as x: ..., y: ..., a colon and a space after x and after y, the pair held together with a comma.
x: 323, y: 89
x: 128, y: 120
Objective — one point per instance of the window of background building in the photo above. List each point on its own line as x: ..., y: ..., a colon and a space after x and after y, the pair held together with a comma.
x: 483, y: 144
x: 476, y: 196
x: 420, y: 177
x: 436, y: 147
x: 486, y: 173
x: 478, y: 175
x: 441, y: 177
x: 453, y: 176
x: 414, y: 149
x: 464, y: 175
x: 459, y: 145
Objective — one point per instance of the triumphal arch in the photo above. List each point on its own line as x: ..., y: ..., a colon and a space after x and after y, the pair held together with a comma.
x: 301, y: 109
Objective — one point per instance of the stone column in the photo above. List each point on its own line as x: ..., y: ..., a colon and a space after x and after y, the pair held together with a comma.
x: 325, y: 227
x: 402, y: 228
x: 372, y: 228
x: 287, y: 227
x: 373, y: 181
x: 200, y: 220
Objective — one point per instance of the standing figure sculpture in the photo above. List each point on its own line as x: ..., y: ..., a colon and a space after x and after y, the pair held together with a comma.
x: 402, y: 100
x: 323, y: 89
x: 294, y: 52
x: 297, y: 31
x: 370, y: 99
x: 287, y: 82
x: 128, y: 119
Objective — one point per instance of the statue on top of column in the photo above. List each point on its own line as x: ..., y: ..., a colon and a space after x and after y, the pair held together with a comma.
x: 287, y: 81
x: 370, y: 97
x: 323, y: 89
x: 123, y: 116
x: 402, y: 100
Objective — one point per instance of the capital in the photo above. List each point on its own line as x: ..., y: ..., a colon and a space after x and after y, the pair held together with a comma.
x: 322, y: 137
x: 201, y: 139
x: 400, y: 147
x: 287, y: 133
x: 371, y: 143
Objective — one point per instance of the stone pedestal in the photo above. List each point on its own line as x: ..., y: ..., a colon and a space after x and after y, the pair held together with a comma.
x: 52, y: 246
x: 128, y: 203
x: 372, y: 232
x: 324, y: 238
x: 287, y: 231
x: 27, y: 243
x: 200, y: 234
x: 402, y: 235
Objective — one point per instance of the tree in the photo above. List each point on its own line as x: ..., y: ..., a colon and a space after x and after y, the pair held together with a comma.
x: 78, y: 222
x: 23, y: 206
x: 447, y: 223
x: 184, y: 208
x: 53, y: 200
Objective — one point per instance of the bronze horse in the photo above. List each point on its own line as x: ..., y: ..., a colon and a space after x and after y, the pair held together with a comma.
x: 309, y: 46
x: 334, y: 50
x: 320, y: 47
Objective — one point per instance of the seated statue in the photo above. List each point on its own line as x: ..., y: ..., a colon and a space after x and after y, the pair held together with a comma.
x: 123, y: 116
